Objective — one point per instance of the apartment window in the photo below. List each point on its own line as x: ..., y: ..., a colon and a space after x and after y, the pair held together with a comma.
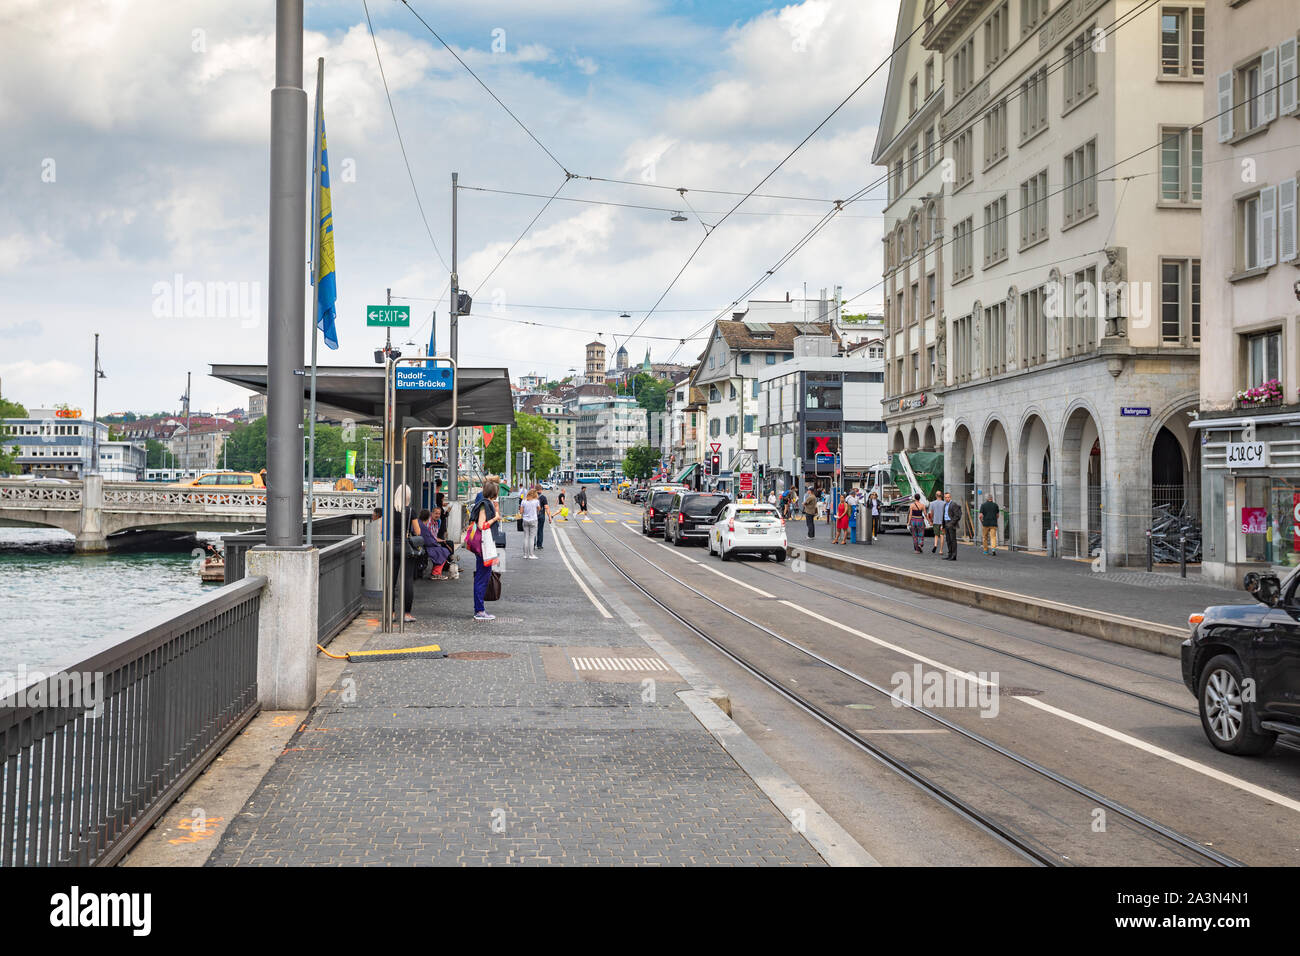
x: 1080, y: 183
x: 749, y: 424
x: 930, y: 140
x: 824, y: 397
x: 929, y: 363
x: 1180, y: 301
x: 1033, y: 327
x: 1182, y: 41
x: 1032, y: 13
x: 1257, y: 221
x: 964, y: 154
x: 929, y: 77
x: 1180, y: 166
x: 995, y: 134
x: 897, y: 178
x: 913, y: 161
x: 963, y: 264
x: 995, y: 339
x: 1263, y: 358
x: 963, y: 68
x: 997, y: 33
x: 1033, y: 104
x: 995, y: 231
x: 932, y: 223
x: 714, y: 394
x: 1033, y: 210
x: 916, y: 300
x: 771, y: 358
x: 931, y: 293
x: 1080, y: 71
x: 913, y: 97
x: 732, y: 394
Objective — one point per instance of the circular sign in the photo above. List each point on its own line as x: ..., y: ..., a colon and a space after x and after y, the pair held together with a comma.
x: 1295, y: 513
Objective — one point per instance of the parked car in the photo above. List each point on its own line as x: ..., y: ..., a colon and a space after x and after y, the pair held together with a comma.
x: 639, y: 496
x: 691, y: 515
x: 1242, y: 661
x: 748, y: 528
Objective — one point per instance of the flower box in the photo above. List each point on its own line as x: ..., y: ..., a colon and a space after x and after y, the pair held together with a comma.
x: 1264, y: 395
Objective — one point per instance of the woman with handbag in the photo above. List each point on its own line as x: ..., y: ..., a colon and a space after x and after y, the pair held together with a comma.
x: 528, y: 515
x: 482, y: 519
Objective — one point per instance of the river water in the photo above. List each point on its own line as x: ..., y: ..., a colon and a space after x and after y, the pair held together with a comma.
x: 53, y: 602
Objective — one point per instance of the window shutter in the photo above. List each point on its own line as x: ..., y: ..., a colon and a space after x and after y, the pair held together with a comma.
x: 1268, y: 84
x: 1225, y: 106
x: 1286, y: 220
x: 1289, y: 91
x: 1268, y: 226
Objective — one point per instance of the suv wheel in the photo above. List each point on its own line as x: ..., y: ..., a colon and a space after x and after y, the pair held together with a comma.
x: 1225, y: 716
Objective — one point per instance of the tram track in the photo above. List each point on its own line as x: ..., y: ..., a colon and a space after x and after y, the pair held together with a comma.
x: 1025, y: 845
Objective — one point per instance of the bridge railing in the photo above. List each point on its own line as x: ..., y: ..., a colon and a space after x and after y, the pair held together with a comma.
x: 91, y: 756
x: 119, y: 496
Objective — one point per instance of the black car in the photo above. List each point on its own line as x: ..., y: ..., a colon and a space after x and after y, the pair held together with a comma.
x: 691, y: 515
x: 653, y: 516
x: 639, y: 495
x: 1243, y: 664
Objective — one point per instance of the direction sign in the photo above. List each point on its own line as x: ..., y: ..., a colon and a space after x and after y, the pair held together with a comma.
x: 423, y: 377
x: 388, y: 315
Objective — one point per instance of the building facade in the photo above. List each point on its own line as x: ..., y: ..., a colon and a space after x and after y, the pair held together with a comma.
x: 1249, y: 423
x: 595, y: 367
x: 53, y: 441
x: 909, y: 146
x: 122, y: 460
x: 607, y: 427
x: 564, y: 424
x: 200, y: 447
x: 829, y: 404
x: 1071, y: 277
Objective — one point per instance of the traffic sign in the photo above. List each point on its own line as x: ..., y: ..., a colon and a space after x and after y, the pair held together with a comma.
x: 388, y: 315
x: 715, y: 446
x: 437, y: 379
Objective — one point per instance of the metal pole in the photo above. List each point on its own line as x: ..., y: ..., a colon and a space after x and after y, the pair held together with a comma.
x: 1182, y: 555
x: 94, y: 416
x: 1149, y: 547
x: 286, y: 295
x: 315, y: 298
x: 509, y: 460
x: 453, y: 437
x: 187, y: 419
x: 385, y: 501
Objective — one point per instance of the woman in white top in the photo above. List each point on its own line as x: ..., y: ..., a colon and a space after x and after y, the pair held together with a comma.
x: 529, y: 510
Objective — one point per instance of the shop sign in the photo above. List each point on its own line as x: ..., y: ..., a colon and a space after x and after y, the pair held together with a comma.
x: 1295, y: 520
x: 1254, y: 520
x: 67, y: 413
x: 1247, y: 454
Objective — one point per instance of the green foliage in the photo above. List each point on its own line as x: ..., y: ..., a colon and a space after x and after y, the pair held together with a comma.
x: 156, y: 455
x: 641, y: 461
x: 529, y: 431
x: 10, y: 409
x: 245, y: 449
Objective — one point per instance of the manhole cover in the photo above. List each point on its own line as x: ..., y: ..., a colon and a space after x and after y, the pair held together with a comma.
x: 478, y: 655
x: 1011, y: 691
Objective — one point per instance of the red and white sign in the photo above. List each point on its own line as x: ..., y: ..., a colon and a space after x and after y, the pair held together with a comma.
x: 1254, y: 520
x: 715, y: 446
x: 746, y: 482
x: 1295, y: 519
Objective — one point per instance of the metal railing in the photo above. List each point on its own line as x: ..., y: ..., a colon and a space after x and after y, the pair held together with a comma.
x: 92, y: 756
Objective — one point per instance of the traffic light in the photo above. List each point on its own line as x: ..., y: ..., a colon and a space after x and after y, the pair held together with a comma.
x: 715, y: 465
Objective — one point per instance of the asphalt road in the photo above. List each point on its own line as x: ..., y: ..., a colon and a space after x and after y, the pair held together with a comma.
x: 1115, y: 720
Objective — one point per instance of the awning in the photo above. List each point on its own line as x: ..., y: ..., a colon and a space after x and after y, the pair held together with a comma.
x: 686, y: 472
x: 357, y: 393
x: 1233, y: 423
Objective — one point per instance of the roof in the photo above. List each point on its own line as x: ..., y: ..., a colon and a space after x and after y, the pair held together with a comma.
x: 740, y: 336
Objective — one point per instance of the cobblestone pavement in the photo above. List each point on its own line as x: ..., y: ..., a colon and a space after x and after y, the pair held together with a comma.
x: 1160, y: 596
x: 509, y: 760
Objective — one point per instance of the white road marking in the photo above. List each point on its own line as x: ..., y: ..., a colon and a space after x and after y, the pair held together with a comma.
x: 564, y: 543
x: 893, y: 647
x: 734, y: 581
x: 1244, y: 785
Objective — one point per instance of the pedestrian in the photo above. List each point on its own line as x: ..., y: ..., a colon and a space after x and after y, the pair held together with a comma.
x: 841, y: 523
x: 951, y: 519
x: 530, y: 509
x: 434, y: 551
x: 810, y: 505
x: 917, y: 518
x: 771, y: 497
x: 398, y: 545
x: 936, y: 521
x: 989, y: 514
x: 564, y: 510
x: 873, y: 504
x: 581, y: 500
x: 543, y: 515
x: 484, y: 517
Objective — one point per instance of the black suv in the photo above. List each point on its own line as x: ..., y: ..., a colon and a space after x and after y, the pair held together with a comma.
x: 1243, y: 664
x: 657, y: 503
x: 691, y: 515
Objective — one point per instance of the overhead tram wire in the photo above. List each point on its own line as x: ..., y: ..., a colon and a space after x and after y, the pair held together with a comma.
x: 628, y: 205
x: 774, y: 171
x: 488, y: 89
x: 563, y: 308
x: 1096, y: 175
x: 419, y: 205
x: 520, y: 237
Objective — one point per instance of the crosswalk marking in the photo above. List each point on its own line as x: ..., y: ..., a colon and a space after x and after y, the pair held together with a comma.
x: 618, y: 664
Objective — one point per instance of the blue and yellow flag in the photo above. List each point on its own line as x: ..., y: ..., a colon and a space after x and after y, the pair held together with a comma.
x: 323, y: 237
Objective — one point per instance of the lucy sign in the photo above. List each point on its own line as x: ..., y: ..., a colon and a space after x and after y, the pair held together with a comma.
x: 1247, y: 454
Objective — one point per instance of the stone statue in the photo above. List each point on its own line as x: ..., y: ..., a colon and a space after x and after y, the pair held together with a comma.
x: 940, y: 351
x: 1052, y: 314
x: 976, y: 334
x: 1113, y: 276
x: 1013, y: 299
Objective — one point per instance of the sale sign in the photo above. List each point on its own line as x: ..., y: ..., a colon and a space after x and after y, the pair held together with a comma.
x: 1254, y: 520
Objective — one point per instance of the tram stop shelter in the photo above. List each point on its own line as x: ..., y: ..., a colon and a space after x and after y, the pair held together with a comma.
x: 356, y: 393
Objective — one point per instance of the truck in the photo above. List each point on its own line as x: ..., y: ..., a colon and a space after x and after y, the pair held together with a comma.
x: 901, y: 477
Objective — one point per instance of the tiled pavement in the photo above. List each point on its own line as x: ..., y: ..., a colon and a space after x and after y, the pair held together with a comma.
x: 507, y: 760
x: 1160, y: 596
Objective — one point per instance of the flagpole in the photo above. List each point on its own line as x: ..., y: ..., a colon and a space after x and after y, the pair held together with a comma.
x: 315, y: 298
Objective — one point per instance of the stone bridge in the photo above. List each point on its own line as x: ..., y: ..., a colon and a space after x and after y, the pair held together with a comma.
x: 93, y: 509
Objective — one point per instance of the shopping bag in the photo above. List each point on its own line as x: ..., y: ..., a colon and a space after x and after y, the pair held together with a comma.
x: 489, y: 546
x: 493, y: 590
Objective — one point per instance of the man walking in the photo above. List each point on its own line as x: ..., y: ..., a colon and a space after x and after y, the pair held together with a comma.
x: 951, y: 519
x: 810, y: 503
x: 989, y: 512
x: 543, y: 514
x: 937, y: 510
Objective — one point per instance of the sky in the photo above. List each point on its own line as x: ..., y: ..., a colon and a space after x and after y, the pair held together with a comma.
x: 134, y: 171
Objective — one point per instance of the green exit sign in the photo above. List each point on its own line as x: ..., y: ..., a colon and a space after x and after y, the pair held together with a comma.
x: 388, y: 315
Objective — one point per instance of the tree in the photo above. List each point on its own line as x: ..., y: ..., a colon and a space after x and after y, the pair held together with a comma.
x: 10, y: 409
x: 245, y: 449
x: 641, y: 461
x: 531, y: 432
x: 155, y: 453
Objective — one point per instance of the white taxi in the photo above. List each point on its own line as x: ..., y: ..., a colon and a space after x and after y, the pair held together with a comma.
x: 748, y: 527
